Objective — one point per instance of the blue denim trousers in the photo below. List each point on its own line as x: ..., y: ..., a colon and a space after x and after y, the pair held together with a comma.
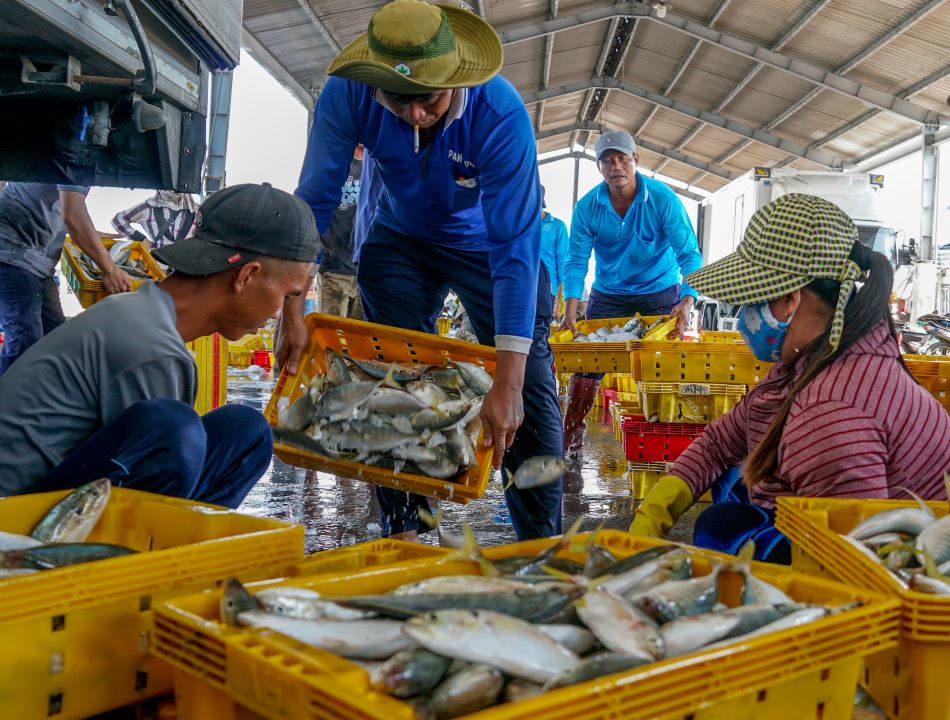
x: 29, y: 309
x: 163, y: 446
x: 403, y: 282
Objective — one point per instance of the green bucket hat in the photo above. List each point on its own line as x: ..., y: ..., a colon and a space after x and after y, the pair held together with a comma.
x: 789, y: 242
x: 414, y: 47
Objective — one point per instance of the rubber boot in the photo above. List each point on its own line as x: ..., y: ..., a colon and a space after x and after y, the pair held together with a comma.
x: 581, y: 394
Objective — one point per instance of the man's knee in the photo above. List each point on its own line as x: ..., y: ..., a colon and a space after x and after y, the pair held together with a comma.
x: 174, y: 422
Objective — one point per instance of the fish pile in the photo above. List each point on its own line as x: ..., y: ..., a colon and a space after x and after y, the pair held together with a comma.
x: 634, y: 329
x: 121, y: 254
x: 910, y: 542
x: 419, y: 419
x: 451, y: 645
x: 59, y: 538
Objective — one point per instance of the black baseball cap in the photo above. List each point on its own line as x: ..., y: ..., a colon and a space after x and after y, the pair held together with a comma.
x: 240, y: 223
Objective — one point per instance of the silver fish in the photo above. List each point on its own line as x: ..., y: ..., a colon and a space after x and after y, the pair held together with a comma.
x: 475, y: 376
x: 691, y: 633
x: 675, y: 565
x: 594, y: 667
x: 620, y: 627
x: 304, y: 604
x: 16, y: 572
x: 428, y: 393
x: 907, y: 520
x: 409, y: 672
x: 467, y: 691
x: 460, y: 448
x: 337, y: 371
x: 338, y: 403
x: 514, y: 646
x: 378, y: 369
x: 362, y: 639
x: 518, y: 690
x: 301, y: 413
x: 390, y: 401
x: 678, y: 598
x: 443, y: 469
x: 72, y: 519
x: 537, y: 471
x: 574, y: 638
x: 235, y: 599
x: 935, y: 540
x: 438, y: 418
x: 12, y: 541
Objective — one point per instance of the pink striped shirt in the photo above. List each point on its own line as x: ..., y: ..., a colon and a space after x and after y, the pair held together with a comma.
x: 862, y: 428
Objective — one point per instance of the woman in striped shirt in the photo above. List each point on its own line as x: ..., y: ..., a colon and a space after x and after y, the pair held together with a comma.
x: 838, y: 415
x: 165, y: 217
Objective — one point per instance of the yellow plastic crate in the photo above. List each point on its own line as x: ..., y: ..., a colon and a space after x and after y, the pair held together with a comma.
x: 89, y: 290
x: 696, y: 362
x: 933, y: 372
x: 807, y: 672
x: 75, y: 639
x: 643, y: 476
x: 380, y: 342
x: 688, y: 402
x: 373, y: 553
x: 721, y: 336
x: 908, y: 682
x: 606, y: 357
x: 211, y: 358
x: 626, y: 383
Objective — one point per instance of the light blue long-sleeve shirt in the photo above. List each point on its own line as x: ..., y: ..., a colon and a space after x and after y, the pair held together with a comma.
x: 651, y: 248
x: 554, y: 246
x: 474, y: 188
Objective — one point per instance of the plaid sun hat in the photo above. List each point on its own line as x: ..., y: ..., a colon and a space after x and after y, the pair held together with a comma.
x: 789, y: 242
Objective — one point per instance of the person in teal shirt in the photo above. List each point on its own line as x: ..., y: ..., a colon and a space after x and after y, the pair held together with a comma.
x: 644, y: 245
x: 554, y: 246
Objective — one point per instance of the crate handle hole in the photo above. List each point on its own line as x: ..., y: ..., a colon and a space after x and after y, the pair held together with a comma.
x: 145, y: 603
x: 761, y: 696
x: 825, y: 674
x: 55, y: 705
x: 58, y: 623
x: 820, y: 711
x: 141, y: 680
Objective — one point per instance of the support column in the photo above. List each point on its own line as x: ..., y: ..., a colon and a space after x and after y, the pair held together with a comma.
x: 928, y: 209
x: 220, y: 118
x: 577, y: 172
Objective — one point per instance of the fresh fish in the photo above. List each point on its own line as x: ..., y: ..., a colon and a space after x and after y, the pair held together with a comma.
x: 675, y: 565
x: 518, y: 690
x: 620, y: 627
x: 12, y: 541
x: 442, y: 469
x: 378, y: 369
x: 802, y: 616
x: 594, y: 667
x: 514, y: 646
x: 73, y: 518
x: 906, y: 520
x: 302, y: 441
x: 934, y: 540
x: 678, y: 598
x: 535, y: 565
x: 338, y: 403
x: 235, y: 599
x: 691, y: 633
x: 638, y: 559
x: 47, y: 557
x: 361, y: 639
x: 573, y: 637
x: 337, y: 371
x: 890, y: 538
x: 304, y: 604
x: 537, y: 471
x: 460, y: 449
x: 438, y: 418
x: 454, y: 584
x: 599, y: 558
x: 447, y: 378
x: 468, y: 691
x: 447, y: 539
x: 528, y: 604
x: 861, y: 548
x: 364, y: 438
x: 475, y: 376
x: 389, y: 401
x: 428, y: 393
x: 754, y: 590
x: 409, y: 672
x: 417, y: 453
x: 121, y: 251
x: 301, y: 414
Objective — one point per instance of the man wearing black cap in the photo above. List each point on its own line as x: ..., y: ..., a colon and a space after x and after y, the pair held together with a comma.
x: 110, y: 393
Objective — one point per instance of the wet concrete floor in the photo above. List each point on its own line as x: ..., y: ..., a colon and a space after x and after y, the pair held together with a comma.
x: 338, y: 511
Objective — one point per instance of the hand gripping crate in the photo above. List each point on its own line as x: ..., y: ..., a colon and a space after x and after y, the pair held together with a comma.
x: 696, y: 362
x: 593, y: 357
x: 88, y: 289
x: 75, y: 639
x: 366, y: 341
x: 656, y: 441
x: 806, y: 672
x: 908, y: 682
x: 688, y: 402
x: 933, y: 372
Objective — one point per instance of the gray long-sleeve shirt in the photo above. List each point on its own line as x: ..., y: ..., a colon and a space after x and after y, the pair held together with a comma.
x: 124, y: 349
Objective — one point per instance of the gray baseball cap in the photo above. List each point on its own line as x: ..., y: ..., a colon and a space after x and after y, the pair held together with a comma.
x: 615, y: 140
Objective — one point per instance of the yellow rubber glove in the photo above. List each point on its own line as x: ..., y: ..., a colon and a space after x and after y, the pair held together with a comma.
x: 662, y: 506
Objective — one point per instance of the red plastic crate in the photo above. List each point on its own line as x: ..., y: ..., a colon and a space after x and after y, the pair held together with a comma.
x: 261, y: 358
x: 656, y: 442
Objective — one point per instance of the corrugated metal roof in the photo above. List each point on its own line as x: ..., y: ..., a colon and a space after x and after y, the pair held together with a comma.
x: 827, y: 33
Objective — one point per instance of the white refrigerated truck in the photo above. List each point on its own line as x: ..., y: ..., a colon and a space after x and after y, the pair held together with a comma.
x: 724, y: 215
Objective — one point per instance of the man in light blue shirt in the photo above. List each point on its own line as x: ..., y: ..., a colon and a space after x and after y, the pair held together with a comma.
x: 554, y: 245
x: 643, y: 244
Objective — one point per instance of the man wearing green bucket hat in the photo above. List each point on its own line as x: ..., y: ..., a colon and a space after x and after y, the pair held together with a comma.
x: 838, y: 415
x: 455, y: 153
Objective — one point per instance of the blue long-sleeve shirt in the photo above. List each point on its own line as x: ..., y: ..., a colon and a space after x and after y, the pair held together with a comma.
x: 651, y: 248
x: 475, y: 187
x: 554, y: 246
